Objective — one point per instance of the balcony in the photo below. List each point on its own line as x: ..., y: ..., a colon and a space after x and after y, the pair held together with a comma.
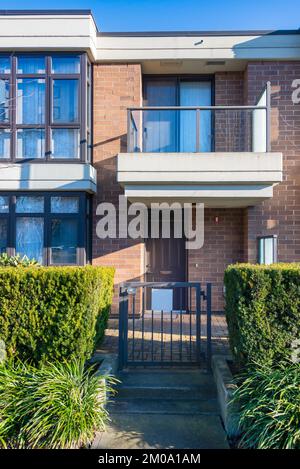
x: 220, y: 155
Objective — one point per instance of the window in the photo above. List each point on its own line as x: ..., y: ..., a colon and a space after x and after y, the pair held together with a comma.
x: 4, y: 143
x: 66, y: 64
x: 64, y: 229
x: 30, y: 64
x: 31, y: 101
x: 4, y: 211
x: 169, y: 131
x: 3, y: 235
x: 89, y: 112
x: 5, y: 64
x: 65, y: 143
x: 4, y: 100
x: 65, y: 101
x: 52, y: 228
x: 267, y: 249
x: 44, y: 107
x: 30, y: 143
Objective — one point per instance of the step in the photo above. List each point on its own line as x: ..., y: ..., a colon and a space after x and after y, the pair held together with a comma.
x: 132, y: 431
x: 166, y: 378
x: 163, y: 392
x: 163, y: 406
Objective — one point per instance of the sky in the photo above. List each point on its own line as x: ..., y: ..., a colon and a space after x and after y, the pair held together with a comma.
x: 176, y: 15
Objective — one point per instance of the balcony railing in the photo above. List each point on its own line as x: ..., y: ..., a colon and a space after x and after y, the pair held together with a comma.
x: 201, y: 128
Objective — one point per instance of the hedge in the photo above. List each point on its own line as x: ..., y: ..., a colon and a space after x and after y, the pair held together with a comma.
x: 262, y: 311
x: 49, y: 313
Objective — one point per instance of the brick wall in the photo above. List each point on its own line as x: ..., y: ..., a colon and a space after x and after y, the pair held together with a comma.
x: 281, y: 214
x: 223, y: 245
x: 231, y: 127
x: 116, y: 87
x: 223, y: 239
x: 233, y: 238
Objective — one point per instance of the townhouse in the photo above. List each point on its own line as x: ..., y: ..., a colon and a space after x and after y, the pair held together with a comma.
x: 188, y: 117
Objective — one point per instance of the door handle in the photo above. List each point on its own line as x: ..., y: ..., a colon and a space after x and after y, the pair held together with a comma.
x: 165, y: 272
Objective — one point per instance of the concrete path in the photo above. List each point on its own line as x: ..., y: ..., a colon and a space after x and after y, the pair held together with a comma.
x: 164, y: 409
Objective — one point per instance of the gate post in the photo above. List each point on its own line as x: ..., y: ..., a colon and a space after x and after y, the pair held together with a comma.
x: 208, y: 325
x: 123, y: 326
x: 198, y: 323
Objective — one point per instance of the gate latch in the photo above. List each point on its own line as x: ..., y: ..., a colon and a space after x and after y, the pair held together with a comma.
x: 203, y: 295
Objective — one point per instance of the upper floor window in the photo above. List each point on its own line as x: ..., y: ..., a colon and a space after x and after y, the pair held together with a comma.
x: 167, y: 130
x: 44, y: 107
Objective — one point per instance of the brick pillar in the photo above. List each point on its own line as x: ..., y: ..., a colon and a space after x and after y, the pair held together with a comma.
x: 281, y: 214
x: 116, y: 87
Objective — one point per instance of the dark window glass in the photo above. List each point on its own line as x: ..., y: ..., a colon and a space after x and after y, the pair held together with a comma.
x: 4, y: 143
x: 4, y: 64
x: 31, y: 101
x: 30, y: 143
x: 89, y: 148
x: 48, y: 109
x: 89, y: 106
x: 64, y: 204
x: 4, y: 204
x: 29, y: 204
x: 64, y: 241
x: 31, y: 64
x: 267, y: 250
x: 65, y: 143
x: 3, y: 235
x: 4, y: 100
x: 30, y: 237
x: 65, y: 64
x: 65, y: 101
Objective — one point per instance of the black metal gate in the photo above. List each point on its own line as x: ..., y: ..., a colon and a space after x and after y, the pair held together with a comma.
x: 174, y: 331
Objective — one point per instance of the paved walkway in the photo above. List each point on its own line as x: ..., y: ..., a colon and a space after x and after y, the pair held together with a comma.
x: 163, y: 408
x: 152, y: 344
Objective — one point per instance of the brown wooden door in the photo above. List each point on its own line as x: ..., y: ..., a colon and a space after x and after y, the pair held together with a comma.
x: 166, y: 262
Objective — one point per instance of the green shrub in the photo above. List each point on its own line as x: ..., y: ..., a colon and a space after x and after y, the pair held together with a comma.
x: 59, y: 405
x: 16, y: 261
x: 50, y: 313
x: 269, y: 402
x: 262, y: 311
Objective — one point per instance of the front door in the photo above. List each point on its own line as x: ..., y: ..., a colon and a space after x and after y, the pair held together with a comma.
x: 166, y: 262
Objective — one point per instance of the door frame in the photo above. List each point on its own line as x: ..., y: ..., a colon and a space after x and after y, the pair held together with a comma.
x: 186, y: 270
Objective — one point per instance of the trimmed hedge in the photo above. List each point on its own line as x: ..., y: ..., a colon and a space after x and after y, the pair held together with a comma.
x: 262, y: 311
x: 49, y: 313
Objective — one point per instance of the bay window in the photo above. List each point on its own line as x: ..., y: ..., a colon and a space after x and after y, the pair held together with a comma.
x: 45, y: 107
x: 50, y: 227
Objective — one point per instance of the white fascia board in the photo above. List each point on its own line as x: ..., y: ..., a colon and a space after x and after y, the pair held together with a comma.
x: 48, y: 176
x: 204, y: 168
x: 190, y: 47
x: 212, y: 196
x: 48, y: 32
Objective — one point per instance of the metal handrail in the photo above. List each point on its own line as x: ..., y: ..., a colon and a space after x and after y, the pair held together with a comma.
x: 266, y: 107
x: 195, y: 108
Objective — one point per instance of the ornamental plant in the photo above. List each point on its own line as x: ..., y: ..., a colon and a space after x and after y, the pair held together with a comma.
x: 59, y: 405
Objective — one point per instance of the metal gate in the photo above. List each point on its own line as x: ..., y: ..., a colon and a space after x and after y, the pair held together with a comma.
x: 164, y: 324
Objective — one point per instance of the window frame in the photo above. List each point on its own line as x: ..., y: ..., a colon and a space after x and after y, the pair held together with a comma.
x: 177, y: 79
x: 82, y: 217
x: 275, y: 250
x: 49, y: 78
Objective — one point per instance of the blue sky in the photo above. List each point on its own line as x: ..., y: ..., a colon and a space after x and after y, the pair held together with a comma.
x: 149, y: 15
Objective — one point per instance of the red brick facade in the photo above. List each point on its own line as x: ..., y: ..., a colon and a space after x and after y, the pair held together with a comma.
x: 230, y: 234
x: 281, y: 214
x: 116, y: 87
